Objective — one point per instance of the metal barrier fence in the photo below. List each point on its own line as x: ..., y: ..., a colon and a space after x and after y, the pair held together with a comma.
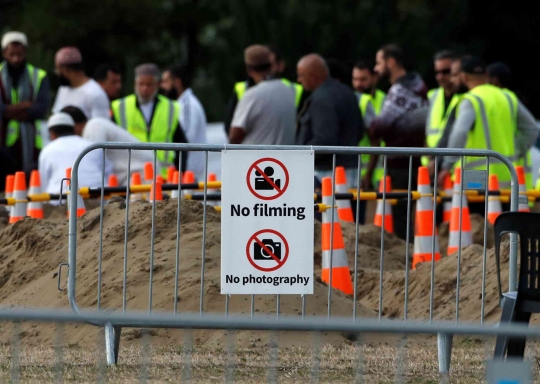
x: 405, y: 358
x: 113, y: 330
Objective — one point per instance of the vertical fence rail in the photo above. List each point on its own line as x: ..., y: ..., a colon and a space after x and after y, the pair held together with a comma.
x: 280, y: 302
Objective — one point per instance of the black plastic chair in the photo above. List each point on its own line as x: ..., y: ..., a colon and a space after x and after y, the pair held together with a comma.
x: 518, y: 306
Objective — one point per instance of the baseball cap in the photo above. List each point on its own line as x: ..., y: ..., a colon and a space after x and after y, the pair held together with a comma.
x: 498, y: 69
x: 14, y: 37
x: 60, y: 118
x: 67, y: 56
x: 473, y: 65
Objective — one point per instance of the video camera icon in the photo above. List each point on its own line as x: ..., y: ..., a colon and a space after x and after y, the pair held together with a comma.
x: 262, y: 184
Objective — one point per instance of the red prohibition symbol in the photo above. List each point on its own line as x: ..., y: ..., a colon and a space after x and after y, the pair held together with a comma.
x: 264, y: 180
x: 267, y: 250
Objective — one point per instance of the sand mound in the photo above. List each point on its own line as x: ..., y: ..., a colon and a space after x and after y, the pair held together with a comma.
x: 477, y: 229
x: 444, y: 298
x: 32, y: 250
x: 369, y: 247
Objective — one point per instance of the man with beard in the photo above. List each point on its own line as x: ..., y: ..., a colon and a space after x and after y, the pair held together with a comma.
x: 24, y: 100
x: 151, y: 117
x: 442, y: 100
x: 401, y: 122
x: 76, y: 88
x: 370, y: 102
x: 176, y: 84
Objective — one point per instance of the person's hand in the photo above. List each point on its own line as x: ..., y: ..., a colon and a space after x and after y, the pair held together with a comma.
x: 440, y: 180
x: 431, y: 168
x: 365, y: 183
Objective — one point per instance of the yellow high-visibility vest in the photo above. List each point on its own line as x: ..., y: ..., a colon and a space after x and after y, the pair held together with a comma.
x: 493, y: 129
x: 35, y: 78
x: 162, y: 127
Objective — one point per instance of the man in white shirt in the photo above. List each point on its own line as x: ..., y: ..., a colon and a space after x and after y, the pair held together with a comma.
x: 76, y: 88
x: 267, y: 112
x: 99, y: 130
x: 176, y: 84
x: 61, y: 153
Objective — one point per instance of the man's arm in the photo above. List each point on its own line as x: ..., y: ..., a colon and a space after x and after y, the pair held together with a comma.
x: 324, y: 122
x: 237, y: 135
x: 527, y: 129
x: 231, y: 107
x: 388, y: 116
x: 100, y: 107
x: 39, y: 108
x: 180, y: 137
x: 241, y: 122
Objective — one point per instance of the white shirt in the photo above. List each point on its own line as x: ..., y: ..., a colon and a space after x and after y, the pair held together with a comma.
x: 193, y: 122
x: 89, y: 98
x: 147, y: 110
x: 61, y: 153
x: 104, y: 130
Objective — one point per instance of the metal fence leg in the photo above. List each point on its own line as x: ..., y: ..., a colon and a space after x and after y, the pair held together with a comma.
x: 444, y: 347
x: 112, y: 343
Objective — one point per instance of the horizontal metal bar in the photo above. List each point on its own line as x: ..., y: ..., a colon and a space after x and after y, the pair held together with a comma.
x: 318, y: 324
x: 401, y: 151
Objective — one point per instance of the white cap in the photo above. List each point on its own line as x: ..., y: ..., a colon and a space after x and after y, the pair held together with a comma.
x: 60, y: 118
x: 14, y: 37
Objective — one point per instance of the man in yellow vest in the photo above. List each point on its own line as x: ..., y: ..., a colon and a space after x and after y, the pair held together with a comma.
x: 500, y: 76
x: 485, y: 121
x: 370, y: 101
x: 442, y: 100
x: 278, y: 66
x: 24, y: 100
x: 151, y: 117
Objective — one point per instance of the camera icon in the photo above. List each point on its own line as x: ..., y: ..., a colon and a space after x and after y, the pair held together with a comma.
x: 273, y: 246
x: 261, y: 184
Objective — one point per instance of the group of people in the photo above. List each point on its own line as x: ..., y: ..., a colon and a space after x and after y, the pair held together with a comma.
x: 471, y: 108
x: 163, y: 109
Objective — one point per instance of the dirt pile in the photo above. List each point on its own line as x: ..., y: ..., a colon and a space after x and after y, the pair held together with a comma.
x: 32, y: 250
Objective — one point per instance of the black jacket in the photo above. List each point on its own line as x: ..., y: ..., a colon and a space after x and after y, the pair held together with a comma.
x: 331, y: 116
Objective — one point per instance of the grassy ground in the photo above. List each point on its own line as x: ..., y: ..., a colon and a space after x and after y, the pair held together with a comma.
x: 355, y: 363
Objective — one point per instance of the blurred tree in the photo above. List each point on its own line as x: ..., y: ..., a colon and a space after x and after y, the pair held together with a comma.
x: 209, y: 36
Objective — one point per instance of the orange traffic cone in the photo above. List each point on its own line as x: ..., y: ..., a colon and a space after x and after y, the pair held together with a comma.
x: 160, y: 179
x: 494, y: 202
x: 175, y: 179
x: 135, y: 181
x: 341, y: 277
x: 423, y: 232
x: 447, y: 205
x: 344, y: 206
x: 148, y: 177
x: 81, y: 209
x: 113, y: 181
x: 19, y: 193
x: 148, y: 173
x: 466, y: 234
x: 188, y: 178
x: 388, y: 217
x: 35, y: 209
x: 10, y: 184
x: 522, y: 207
x: 170, y: 173
x: 156, y: 193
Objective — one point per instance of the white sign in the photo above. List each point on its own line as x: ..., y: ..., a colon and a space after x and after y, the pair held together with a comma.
x: 267, y: 222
